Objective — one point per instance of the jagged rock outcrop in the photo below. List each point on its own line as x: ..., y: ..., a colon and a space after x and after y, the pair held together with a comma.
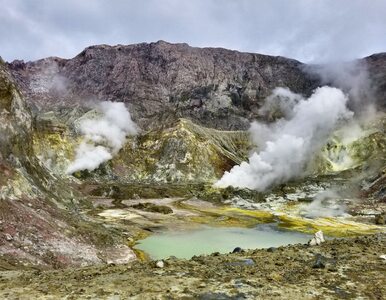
x: 162, y: 82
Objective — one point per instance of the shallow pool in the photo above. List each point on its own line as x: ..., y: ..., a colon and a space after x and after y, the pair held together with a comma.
x: 206, y: 240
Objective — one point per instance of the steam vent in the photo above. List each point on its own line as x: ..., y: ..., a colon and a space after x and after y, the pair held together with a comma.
x: 160, y: 170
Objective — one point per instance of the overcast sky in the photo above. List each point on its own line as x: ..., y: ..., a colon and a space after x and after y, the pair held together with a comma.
x: 308, y: 30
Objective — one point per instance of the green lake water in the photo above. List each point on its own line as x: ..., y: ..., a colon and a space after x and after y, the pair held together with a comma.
x: 206, y: 240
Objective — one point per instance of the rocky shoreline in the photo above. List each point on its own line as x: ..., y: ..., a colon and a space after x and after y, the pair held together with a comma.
x: 340, y: 268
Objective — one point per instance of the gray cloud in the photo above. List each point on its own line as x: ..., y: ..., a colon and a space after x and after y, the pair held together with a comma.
x: 311, y: 31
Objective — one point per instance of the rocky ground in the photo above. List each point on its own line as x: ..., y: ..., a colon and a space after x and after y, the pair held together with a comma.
x: 337, y: 269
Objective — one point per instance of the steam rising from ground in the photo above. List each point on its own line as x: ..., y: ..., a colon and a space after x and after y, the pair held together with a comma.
x: 325, y: 204
x: 104, y: 136
x: 289, y: 144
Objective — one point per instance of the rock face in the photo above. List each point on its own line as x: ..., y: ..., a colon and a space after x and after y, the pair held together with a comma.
x: 15, y: 120
x: 16, y: 151
x: 184, y: 152
x: 37, y: 220
x: 376, y: 65
x: 160, y: 81
x: 163, y: 83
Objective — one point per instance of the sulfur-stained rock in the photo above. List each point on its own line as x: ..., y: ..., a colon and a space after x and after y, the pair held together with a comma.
x: 35, y: 203
x: 184, y: 152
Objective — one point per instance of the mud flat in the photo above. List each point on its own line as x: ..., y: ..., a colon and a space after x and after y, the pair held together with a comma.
x: 350, y: 268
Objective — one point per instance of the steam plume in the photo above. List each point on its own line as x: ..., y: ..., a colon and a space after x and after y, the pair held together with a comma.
x: 352, y: 78
x: 103, y: 136
x: 288, y: 145
x: 325, y: 204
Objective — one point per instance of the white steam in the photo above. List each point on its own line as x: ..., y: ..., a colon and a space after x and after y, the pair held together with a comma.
x: 280, y: 104
x: 325, y: 204
x: 353, y: 78
x: 103, y: 136
x: 289, y: 144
